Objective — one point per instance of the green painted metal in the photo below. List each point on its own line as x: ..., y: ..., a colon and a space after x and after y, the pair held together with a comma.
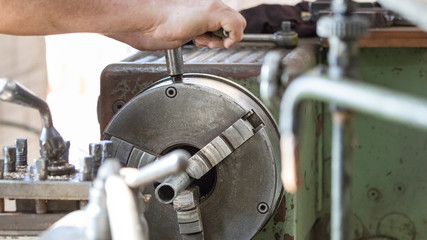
x: 390, y: 162
x: 390, y: 180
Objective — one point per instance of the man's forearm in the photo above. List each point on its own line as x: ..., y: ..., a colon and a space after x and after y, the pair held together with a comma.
x: 44, y: 17
x: 144, y: 24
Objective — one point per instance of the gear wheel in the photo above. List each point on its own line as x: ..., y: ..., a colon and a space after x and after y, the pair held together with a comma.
x: 344, y: 28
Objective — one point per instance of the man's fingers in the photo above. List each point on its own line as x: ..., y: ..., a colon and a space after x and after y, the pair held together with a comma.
x: 234, y: 23
x: 208, y: 40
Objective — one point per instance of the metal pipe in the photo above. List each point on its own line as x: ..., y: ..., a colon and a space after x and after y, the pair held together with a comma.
x: 171, y: 163
x: 342, y: 30
x: 278, y: 71
x: 341, y: 174
x: 169, y: 189
x: 361, y: 97
x: 413, y: 10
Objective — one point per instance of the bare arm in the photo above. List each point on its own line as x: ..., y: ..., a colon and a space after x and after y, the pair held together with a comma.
x: 144, y: 24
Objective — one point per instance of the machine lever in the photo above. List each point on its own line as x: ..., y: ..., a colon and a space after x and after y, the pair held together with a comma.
x: 52, y: 145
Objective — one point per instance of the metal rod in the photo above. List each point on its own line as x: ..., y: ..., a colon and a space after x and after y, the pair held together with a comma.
x: 258, y: 38
x: 341, y: 164
x: 174, y: 62
x: 171, y: 163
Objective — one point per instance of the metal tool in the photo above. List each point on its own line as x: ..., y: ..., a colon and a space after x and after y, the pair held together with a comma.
x: 284, y: 38
x: 52, y: 145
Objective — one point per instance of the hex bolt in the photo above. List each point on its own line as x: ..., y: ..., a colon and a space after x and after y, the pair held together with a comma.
x: 286, y: 26
x: 9, y: 154
x: 40, y: 171
x: 107, y: 150
x: 1, y: 168
x: 86, y: 168
x: 21, y: 152
x: 262, y: 207
x: 41, y: 206
x: 95, y: 150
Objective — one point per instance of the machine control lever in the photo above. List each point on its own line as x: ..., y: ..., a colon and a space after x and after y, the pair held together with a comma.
x: 52, y: 145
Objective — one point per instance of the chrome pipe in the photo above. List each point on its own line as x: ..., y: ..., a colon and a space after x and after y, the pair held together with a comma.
x: 361, y: 97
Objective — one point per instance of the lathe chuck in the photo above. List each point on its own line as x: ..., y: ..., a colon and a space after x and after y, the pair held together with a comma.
x: 235, y: 135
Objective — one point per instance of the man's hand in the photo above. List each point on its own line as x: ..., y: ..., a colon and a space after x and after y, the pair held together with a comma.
x: 178, y: 22
x: 143, y: 24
